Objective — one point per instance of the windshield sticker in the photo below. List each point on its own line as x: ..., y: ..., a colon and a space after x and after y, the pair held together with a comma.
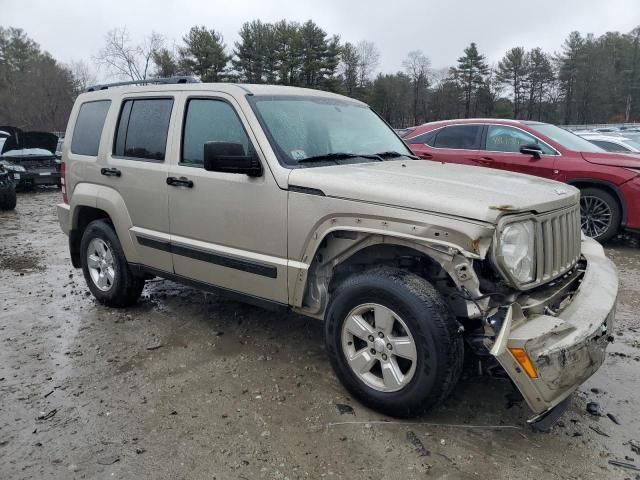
x: 298, y: 154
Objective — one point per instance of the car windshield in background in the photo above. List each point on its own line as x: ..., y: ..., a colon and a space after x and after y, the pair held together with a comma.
x: 567, y: 139
x: 318, y: 129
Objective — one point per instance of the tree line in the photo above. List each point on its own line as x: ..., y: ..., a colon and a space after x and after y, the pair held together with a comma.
x: 588, y: 80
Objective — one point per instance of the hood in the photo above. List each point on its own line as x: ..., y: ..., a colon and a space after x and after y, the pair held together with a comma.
x: 463, y: 191
x: 19, y: 140
x: 624, y: 160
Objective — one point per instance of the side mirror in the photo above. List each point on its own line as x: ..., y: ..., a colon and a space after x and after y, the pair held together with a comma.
x: 533, y: 150
x: 230, y: 158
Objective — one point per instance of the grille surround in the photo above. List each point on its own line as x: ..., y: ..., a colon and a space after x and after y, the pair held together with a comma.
x: 557, y: 243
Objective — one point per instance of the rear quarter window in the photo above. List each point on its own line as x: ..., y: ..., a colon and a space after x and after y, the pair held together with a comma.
x: 88, y: 128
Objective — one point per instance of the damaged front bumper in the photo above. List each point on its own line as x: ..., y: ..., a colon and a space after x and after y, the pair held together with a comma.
x: 565, y: 346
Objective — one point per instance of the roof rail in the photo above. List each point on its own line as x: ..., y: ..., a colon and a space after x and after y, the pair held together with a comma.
x: 146, y: 81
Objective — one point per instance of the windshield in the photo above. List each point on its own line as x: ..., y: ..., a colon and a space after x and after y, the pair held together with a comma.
x: 567, y: 139
x: 303, y: 128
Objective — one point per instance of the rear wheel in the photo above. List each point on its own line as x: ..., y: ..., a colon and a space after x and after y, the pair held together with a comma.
x: 600, y: 214
x: 393, y: 342
x: 105, y: 266
x: 8, y: 200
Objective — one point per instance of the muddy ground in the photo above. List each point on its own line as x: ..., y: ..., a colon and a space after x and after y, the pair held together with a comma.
x: 192, y: 386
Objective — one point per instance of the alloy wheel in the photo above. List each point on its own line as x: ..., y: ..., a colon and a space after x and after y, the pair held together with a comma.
x: 379, y: 348
x: 100, y: 263
x: 595, y: 216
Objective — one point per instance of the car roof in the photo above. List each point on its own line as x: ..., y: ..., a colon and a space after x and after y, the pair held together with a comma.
x: 461, y: 121
x: 236, y: 89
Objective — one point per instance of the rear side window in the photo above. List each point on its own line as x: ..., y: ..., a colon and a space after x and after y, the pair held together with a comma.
x: 88, y: 128
x: 142, y: 129
x: 424, y: 139
x: 465, y: 137
x: 209, y: 120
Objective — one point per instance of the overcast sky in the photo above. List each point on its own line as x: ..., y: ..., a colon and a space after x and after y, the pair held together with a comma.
x: 74, y: 30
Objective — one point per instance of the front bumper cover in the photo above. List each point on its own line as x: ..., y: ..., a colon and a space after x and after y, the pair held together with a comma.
x: 565, y: 349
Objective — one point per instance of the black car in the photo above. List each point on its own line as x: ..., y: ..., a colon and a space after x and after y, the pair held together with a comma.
x: 33, y: 151
x: 7, y: 189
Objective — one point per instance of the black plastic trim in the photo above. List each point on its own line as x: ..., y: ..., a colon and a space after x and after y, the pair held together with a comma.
x: 306, y: 190
x: 163, y: 245
x: 141, y: 270
x: 210, y: 257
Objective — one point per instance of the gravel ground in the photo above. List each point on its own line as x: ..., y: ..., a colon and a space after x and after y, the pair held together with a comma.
x: 187, y: 385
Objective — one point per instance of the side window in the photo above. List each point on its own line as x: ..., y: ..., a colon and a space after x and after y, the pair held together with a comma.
x: 88, y: 128
x: 142, y: 128
x: 208, y: 120
x: 424, y: 139
x: 610, y: 146
x: 466, y: 137
x: 501, y: 138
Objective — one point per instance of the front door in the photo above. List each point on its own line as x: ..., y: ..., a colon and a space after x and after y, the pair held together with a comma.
x: 227, y: 229
x: 502, y: 150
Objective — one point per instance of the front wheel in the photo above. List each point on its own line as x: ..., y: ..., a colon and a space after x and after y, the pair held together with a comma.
x: 105, y: 266
x: 393, y: 341
x: 600, y: 214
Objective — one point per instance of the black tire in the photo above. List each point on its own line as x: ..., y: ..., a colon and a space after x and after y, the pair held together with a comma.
x: 436, y: 333
x: 8, y: 200
x: 126, y: 287
x: 614, y: 207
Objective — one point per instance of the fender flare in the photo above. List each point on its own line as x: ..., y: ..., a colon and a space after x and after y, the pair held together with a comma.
x: 111, y: 202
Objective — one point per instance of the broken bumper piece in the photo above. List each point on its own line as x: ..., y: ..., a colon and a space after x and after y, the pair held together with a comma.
x: 564, y: 349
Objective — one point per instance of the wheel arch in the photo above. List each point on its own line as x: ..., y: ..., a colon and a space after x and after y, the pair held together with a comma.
x: 608, y: 187
x: 343, y: 252
x: 94, y: 202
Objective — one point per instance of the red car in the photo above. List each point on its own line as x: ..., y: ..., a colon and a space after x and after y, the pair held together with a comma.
x: 610, y: 182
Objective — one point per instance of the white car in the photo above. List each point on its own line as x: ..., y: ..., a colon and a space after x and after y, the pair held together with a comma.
x: 612, y: 143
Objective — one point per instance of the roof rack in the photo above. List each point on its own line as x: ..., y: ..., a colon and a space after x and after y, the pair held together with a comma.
x: 146, y: 81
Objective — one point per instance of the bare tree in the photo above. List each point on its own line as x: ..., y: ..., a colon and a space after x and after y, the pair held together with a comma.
x: 124, y: 59
x: 369, y: 58
x: 417, y: 65
x: 83, y: 75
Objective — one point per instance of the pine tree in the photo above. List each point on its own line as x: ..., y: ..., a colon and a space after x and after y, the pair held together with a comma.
x: 470, y: 73
x: 512, y: 71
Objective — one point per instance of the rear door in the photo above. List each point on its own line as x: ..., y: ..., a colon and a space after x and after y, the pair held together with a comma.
x: 136, y: 168
x: 452, y: 144
x: 502, y: 150
x: 227, y: 229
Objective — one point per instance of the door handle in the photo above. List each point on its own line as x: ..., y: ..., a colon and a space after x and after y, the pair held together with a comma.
x: 110, y: 172
x: 426, y: 156
x: 485, y: 160
x: 179, y: 182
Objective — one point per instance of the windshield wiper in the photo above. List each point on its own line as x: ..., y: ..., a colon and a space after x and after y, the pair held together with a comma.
x: 393, y: 154
x: 338, y: 156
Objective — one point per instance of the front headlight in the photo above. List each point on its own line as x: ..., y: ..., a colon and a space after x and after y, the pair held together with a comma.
x: 517, y: 249
x: 18, y: 168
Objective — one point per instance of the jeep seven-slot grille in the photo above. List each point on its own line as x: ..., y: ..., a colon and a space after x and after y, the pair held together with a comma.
x: 558, y: 239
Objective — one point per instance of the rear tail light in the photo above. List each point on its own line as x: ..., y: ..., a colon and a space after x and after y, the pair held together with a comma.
x: 63, y: 182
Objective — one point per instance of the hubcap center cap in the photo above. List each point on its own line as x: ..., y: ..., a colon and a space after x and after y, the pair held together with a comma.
x: 379, y: 345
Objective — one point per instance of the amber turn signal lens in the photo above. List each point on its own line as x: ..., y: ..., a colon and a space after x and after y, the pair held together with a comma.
x: 524, y: 361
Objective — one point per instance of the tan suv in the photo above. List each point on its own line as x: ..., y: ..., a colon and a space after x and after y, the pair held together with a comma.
x: 307, y: 200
